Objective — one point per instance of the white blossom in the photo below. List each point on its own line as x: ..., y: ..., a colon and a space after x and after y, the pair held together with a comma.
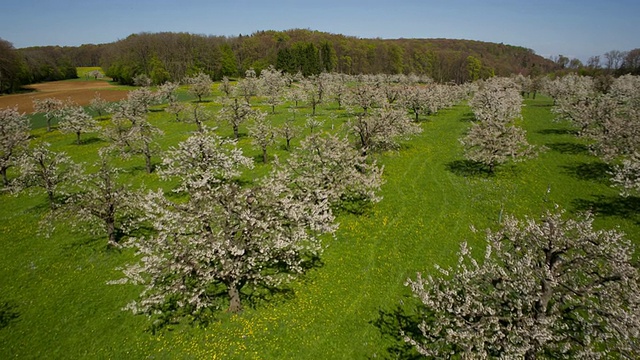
x: 553, y: 288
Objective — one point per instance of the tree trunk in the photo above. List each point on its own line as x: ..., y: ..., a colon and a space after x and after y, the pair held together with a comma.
x: 147, y: 157
x: 52, y: 199
x: 235, y: 131
x: 148, y: 163
x: 5, y: 179
x: 234, y: 299
x: 264, y: 155
x: 77, y: 137
x: 48, y: 124
x: 111, y: 232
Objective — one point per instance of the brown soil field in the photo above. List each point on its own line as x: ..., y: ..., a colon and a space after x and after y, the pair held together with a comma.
x: 80, y: 92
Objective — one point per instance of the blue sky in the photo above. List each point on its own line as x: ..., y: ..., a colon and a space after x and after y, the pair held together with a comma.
x: 569, y: 27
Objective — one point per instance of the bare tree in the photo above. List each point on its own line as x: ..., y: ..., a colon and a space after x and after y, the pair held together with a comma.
x: 614, y: 59
x: 554, y: 288
x: 14, y: 139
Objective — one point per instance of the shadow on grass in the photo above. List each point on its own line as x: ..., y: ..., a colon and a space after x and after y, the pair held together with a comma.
x: 624, y: 207
x: 468, y: 117
x: 353, y: 205
x: 569, y: 148
x: 392, y: 324
x: 558, y: 132
x: 590, y: 171
x: 172, y: 315
x: 89, y: 241
x: 8, y: 313
x: 91, y: 140
x: 541, y: 105
x: 468, y: 168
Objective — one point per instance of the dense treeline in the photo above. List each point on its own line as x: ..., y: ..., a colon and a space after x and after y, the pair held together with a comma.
x: 35, y: 64
x: 173, y: 56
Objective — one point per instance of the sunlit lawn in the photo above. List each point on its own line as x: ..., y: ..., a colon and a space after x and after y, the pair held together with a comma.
x: 55, y: 302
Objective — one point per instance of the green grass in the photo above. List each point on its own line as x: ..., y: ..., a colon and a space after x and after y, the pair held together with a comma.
x: 57, y: 286
x: 84, y: 70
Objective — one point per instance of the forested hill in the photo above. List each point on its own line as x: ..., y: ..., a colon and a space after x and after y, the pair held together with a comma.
x: 171, y: 56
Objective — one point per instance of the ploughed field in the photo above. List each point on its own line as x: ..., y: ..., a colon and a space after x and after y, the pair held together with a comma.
x: 78, y: 91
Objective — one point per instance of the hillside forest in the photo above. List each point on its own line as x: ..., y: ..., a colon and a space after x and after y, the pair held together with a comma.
x: 171, y: 56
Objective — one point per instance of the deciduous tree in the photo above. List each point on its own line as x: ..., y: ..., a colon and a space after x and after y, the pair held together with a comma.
x: 262, y: 133
x: 288, y: 131
x: 220, y: 237
x: 494, y: 138
x: 51, y: 108
x: 167, y: 92
x: 101, y: 202
x: 248, y: 86
x: 49, y: 170
x: 382, y: 129
x: 272, y: 85
x: 76, y: 120
x: 365, y: 96
x: 554, y: 288
x: 326, y: 166
x: 14, y: 139
x: 98, y: 104
x: 235, y: 113
x: 195, y: 113
x: 199, y: 85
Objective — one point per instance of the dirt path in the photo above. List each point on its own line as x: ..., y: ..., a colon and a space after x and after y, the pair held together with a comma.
x: 80, y: 92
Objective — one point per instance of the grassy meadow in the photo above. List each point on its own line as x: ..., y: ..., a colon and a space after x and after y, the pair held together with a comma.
x: 55, y: 301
